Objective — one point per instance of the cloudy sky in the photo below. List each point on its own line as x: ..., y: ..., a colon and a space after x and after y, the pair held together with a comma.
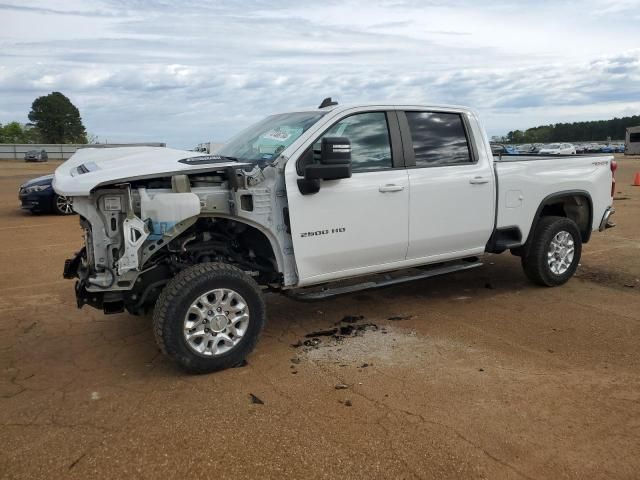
x: 190, y: 71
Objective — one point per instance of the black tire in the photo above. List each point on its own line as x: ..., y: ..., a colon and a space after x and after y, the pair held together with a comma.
x: 61, y: 206
x: 535, y: 260
x: 177, y: 297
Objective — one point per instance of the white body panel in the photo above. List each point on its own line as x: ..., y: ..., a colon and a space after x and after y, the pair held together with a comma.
x: 374, y: 222
x: 441, y: 194
x: 109, y: 165
x: 523, y: 185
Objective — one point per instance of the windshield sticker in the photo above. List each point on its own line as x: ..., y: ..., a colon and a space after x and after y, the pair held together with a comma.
x: 277, y: 135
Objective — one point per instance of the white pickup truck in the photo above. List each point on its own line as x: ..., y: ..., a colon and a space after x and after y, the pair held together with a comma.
x: 314, y: 203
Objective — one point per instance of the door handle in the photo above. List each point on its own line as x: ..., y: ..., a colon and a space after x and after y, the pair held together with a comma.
x: 478, y: 180
x: 390, y: 188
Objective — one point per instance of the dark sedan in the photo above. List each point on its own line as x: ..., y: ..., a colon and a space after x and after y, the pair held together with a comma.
x: 38, y: 196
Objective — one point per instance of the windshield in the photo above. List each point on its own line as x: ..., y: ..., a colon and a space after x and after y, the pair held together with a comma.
x: 552, y: 146
x: 263, y: 141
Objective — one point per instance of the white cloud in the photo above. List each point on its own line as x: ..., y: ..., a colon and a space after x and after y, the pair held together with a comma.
x: 194, y: 71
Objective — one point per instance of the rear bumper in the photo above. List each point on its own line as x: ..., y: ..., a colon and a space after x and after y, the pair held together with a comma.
x: 606, y: 219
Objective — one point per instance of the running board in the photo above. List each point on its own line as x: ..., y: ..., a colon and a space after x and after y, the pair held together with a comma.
x: 386, y: 280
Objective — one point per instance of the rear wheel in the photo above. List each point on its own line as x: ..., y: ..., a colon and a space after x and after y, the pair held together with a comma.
x: 209, y: 317
x: 63, y: 205
x: 554, y: 253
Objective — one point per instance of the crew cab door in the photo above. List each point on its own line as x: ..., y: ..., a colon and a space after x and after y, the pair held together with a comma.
x: 451, y: 184
x: 353, y: 225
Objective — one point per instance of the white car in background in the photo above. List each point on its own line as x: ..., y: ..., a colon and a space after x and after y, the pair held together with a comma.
x: 558, y: 149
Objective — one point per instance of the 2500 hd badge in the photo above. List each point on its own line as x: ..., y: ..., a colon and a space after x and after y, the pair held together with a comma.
x: 323, y: 232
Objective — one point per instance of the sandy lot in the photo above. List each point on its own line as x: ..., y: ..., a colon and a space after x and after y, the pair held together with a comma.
x: 483, y: 375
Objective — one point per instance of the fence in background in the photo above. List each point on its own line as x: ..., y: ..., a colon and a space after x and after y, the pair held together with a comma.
x: 56, y: 151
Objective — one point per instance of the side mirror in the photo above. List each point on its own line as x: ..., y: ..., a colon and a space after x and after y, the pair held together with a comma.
x: 335, y: 151
x: 335, y: 163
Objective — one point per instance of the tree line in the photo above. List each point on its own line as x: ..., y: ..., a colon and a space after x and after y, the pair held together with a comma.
x: 53, y: 119
x: 613, y: 129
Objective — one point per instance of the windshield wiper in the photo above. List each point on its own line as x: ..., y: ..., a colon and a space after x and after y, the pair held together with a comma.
x: 206, y: 159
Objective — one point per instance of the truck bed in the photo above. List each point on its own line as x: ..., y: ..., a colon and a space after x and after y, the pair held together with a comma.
x: 526, y: 181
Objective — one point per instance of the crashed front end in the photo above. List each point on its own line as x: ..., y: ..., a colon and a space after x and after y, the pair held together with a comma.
x: 144, y: 226
x: 119, y: 245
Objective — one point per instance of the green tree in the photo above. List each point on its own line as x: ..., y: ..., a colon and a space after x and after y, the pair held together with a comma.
x: 12, y: 133
x: 15, y: 132
x: 597, y: 130
x: 57, y: 119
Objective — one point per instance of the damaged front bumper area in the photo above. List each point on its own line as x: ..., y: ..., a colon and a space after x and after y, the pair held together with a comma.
x: 134, y: 300
x: 76, y: 267
x: 123, y: 263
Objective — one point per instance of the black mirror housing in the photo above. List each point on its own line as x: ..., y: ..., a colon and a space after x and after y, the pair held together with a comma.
x: 327, y: 172
x: 335, y: 163
x: 335, y: 151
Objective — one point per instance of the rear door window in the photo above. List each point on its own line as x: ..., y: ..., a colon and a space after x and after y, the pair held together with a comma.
x: 439, y: 139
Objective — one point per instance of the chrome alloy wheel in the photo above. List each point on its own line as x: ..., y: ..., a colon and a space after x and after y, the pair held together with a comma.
x: 216, y: 322
x: 64, y: 204
x: 560, y: 253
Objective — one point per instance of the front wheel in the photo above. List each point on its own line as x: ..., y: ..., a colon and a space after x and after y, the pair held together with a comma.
x: 209, y: 317
x: 63, y: 205
x: 554, y: 253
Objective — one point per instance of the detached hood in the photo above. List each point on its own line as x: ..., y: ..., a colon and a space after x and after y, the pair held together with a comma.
x: 89, y: 168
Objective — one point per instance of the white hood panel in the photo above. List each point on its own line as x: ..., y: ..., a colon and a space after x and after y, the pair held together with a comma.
x: 112, y: 165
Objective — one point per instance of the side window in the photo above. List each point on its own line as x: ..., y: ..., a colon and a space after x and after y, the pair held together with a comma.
x: 369, y: 136
x: 439, y: 139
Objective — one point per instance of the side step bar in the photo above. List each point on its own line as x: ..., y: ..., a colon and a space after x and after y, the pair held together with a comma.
x: 385, y: 280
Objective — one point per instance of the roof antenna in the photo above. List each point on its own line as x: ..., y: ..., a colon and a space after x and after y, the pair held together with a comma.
x: 327, y: 102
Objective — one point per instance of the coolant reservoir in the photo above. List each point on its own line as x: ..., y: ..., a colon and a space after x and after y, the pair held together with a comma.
x: 166, y: 209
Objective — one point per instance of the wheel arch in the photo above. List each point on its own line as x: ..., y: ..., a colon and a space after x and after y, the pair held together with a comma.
x: 271, y: 240
x: 576, y: 205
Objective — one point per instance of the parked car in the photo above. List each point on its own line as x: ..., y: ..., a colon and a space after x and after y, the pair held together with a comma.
x: 526, y: 148
x: 558, y: 149
x: 620, y: 148
x: 36, y: 156
x: 38, y: 196
x: 608, y: 149
x: 301, y: 201
x: 580, y: 148
x: 594, y: 148
x: 501, y: 149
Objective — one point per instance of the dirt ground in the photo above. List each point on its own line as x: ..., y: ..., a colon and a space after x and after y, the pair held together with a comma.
x: 474, y: 375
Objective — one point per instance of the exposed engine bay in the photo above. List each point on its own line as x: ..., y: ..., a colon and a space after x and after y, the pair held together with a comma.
x: 140, y: 234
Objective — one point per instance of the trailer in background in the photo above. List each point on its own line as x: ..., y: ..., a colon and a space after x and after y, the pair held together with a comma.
x: 632, y: 141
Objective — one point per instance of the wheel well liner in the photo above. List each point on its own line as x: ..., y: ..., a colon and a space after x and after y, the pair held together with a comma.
x: 567, y: 204
x: 271, y: 241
